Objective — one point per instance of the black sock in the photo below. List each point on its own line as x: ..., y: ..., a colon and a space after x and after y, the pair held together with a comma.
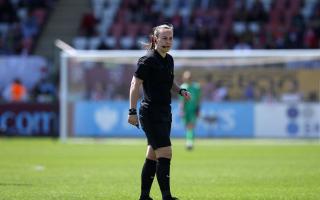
x: 163, y: 176
x: 147, y: 176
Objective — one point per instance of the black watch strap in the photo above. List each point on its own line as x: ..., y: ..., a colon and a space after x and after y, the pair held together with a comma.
x: 182, y: 89
x: 132, y: 111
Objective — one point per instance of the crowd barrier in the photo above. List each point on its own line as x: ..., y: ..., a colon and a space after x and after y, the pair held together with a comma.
x: 236, y: 120
x: 216, y: 120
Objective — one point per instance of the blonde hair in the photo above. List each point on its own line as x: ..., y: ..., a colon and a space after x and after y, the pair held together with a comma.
x: 155, y: 33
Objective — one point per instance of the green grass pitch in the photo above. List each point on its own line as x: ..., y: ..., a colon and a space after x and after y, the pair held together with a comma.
x: 45, y: 169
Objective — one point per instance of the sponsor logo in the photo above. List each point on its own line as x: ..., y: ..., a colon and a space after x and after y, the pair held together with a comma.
x: 29, y: 122
x: 106, y: 118
x: 303, y: 121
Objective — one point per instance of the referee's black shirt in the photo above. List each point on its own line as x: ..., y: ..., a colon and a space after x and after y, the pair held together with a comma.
x: 157, y: 75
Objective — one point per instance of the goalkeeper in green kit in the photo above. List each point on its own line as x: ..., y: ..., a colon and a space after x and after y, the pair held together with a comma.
x: 189, y: 110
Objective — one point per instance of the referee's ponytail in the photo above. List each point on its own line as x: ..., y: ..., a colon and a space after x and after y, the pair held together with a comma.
x: 154, y: 34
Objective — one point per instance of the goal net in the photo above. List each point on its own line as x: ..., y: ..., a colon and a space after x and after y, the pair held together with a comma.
x: 245, y: 93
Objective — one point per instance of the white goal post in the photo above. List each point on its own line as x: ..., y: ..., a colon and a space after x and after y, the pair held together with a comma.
x: 210, y: 59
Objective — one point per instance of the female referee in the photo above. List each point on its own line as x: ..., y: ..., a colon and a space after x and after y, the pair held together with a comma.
x: 155, y: 74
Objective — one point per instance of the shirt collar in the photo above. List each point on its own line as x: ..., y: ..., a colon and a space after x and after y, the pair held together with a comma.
x: 158, y: 54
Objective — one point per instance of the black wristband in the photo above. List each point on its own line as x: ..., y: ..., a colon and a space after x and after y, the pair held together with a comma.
x: 180, y: 91
x: 132, y: 111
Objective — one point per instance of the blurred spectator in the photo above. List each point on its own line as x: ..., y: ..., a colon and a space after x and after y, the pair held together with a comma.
x: 87, y: 25
x: 15, y: 92
x: 310, y: 39
x: 221, y: 93
x: 29, y: 26
x: 294, y: 38
x: 98, y: 92
x: 44, y: 91
x: 292, y: 95
x: 267, y: 95
x: 249, y: 92
x: 208, y: 87
x: 30, y: 30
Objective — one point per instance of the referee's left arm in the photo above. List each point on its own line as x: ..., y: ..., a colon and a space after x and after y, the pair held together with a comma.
x: 183, y: 92
x: 175, y: 87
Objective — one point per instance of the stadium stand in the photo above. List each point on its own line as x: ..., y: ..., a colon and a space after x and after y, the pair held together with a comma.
x: 21, y: 22
x: 123, y: 24
x: 203, y: 24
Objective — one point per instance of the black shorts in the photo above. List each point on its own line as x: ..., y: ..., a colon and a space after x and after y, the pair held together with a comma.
x: 156, y: 124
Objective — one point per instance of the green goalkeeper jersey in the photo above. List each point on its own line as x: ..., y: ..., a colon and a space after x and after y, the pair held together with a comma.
x: 195, y: 91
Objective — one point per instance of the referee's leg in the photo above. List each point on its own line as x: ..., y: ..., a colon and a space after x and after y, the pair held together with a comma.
x: 164, y: 155
x: 148, y: 173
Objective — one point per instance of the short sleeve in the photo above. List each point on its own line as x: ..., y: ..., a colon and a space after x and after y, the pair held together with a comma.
x: 142, y: 70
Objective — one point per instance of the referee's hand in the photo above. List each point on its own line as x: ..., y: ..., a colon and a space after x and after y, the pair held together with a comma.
x: 133, y: 120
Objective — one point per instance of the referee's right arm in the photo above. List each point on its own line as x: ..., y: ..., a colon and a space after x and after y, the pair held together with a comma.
x: 134, y: 91
x: 133, y: 98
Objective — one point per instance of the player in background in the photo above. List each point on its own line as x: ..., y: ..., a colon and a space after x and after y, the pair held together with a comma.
x: 189, y: 110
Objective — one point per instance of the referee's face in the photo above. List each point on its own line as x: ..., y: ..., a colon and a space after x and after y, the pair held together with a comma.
x: 164, y: 40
